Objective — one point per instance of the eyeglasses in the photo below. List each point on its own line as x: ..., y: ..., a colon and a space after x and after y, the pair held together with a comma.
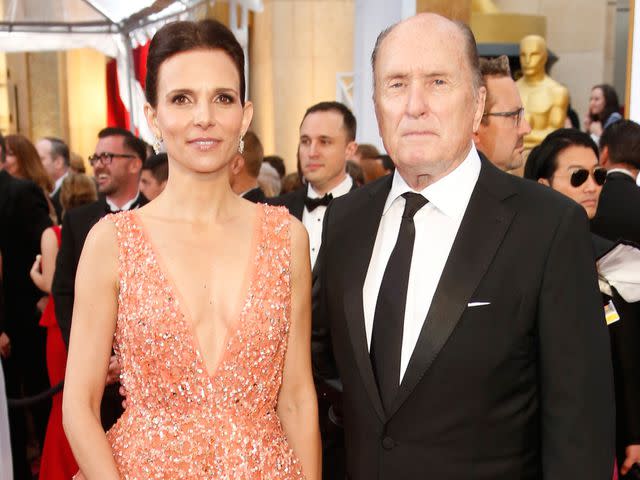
x: 579, y: 176
x: 106, y: 157
x: 516, y: 115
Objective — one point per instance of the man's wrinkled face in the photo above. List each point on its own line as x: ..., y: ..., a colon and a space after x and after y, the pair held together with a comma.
x: 424, y: 98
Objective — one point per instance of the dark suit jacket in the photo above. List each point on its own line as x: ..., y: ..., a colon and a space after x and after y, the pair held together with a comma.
x: 75, y: 228
x: 518, y: 389
x: 24, y: 215
x: 57, y: 206
x: 294, y: 201
x: 618, y: 214
x: 255, y: 195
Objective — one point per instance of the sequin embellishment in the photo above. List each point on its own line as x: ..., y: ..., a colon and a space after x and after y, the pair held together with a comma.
x: 181, y: 422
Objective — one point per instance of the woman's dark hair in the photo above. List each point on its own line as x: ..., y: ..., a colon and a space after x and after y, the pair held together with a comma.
x: 29, y: 163
x: 611, y: 103
x: 543, y: 159
x: 178, y: 37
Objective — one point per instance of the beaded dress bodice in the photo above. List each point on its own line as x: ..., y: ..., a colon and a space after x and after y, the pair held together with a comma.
x: 182, y: 422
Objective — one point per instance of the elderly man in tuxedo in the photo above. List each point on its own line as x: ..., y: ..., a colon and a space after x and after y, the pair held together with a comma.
x: 463, y: 304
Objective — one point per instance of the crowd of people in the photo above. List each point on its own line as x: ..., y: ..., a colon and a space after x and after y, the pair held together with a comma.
x: 199, y: 312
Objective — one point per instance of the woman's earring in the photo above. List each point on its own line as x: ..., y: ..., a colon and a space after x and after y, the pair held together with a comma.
x: 157, y: 145
x: 241, y: 146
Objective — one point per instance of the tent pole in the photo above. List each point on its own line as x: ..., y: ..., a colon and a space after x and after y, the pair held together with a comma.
x: 130, y: 78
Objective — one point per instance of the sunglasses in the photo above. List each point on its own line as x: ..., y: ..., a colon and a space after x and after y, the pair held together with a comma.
x: 581, y: 175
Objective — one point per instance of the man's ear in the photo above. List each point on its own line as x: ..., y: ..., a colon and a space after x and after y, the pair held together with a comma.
x: 351, y: 149
x: 476, y: 140
x: 604, y: 157
x: 544, y: 181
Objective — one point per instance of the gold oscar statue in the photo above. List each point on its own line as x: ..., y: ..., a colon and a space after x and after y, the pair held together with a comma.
x: 484, y: 6
x: 545, y: 100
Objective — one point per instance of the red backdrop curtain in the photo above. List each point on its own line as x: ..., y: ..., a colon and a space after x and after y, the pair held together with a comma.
x: 117, y: 114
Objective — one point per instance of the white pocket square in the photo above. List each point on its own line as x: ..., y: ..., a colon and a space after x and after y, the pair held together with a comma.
x: 478, y: 304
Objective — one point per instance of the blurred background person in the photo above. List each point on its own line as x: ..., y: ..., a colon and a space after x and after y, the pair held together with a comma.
x: 244, y: 170
x: 376, y: 167
x: 54, y: 155
x: 76, y: 163
x: 567, y: 161
x: 364, y: 150
x: 500, y: 136
x: 604, y: 110
x: 23, y: 161
x: 24, y: 215
x: 278, y: 163
x: 269, y: 181
x: 57, y: 461
x: 618, y: 213
x: 154, y: 174
x: 6, y: 464
x: 355, y: 172
x: 290, y: 183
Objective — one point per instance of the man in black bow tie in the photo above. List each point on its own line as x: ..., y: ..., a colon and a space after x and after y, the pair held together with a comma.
x: 327, y: 139
x: 117, y: 163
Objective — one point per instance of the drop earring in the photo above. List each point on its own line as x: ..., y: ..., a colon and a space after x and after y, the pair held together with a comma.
x: 157, y: 145
x: 241, y: 145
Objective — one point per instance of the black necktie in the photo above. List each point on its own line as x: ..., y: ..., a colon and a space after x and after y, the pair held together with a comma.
x: 313, y: 203
x: 388, y: 319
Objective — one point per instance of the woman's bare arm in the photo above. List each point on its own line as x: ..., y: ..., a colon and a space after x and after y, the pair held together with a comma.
x: 44, y: 266
x: 297, y: 404
x: 94, y: 321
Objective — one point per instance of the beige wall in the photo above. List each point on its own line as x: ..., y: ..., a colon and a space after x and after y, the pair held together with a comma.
x: 296, y: 49
x: 580, y: 33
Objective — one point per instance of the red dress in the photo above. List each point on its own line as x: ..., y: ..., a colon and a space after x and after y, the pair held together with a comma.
x: 57, y: 461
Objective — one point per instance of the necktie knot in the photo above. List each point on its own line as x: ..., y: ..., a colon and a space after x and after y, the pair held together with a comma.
x: 313, y: 203
x: 413, y: 203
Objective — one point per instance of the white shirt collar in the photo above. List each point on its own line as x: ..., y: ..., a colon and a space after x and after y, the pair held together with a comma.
x: 450, y: 194
x: 621, y: 170
x: 127, y: 206
x: 59, y: 181
x: 341, y: 189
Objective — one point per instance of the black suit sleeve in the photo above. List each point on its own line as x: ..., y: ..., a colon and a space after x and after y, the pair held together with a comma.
x: 33, y: 205
x: 576, y: 387
x: 63, y: 287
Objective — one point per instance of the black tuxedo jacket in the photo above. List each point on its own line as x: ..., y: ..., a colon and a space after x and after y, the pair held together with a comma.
x: 294, y: 201
x: 57, y: 206
x: 515, y: 390
x: 75, y: 227
x: 618, y: 209
x: 255, y: 195
x: 24, y: 215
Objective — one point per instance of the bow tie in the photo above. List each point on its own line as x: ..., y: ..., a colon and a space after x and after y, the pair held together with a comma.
x: 313, y: 203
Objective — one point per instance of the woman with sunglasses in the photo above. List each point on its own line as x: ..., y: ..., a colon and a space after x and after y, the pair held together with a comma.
x: 567, y: 161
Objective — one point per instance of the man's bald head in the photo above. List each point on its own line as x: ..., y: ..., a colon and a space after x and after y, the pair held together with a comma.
x: 431, y: 21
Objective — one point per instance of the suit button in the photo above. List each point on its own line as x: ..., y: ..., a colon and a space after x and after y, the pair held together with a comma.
x: 388, y: 443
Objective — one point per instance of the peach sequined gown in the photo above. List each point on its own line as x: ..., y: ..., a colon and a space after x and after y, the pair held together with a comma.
x: 181, y: 422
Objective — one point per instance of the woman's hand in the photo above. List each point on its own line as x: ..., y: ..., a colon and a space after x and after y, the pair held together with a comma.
x: 595, y: 128
x: 36, y: 272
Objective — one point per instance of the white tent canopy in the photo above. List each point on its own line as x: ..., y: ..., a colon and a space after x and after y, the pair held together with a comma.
x: 113, y: 27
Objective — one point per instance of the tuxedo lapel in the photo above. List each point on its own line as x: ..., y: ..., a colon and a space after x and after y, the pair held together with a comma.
x: 297, y: 207
x: 483, y: 226
x: 363, y: 238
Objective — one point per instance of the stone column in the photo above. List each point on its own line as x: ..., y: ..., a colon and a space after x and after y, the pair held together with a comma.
x: 296, y: 49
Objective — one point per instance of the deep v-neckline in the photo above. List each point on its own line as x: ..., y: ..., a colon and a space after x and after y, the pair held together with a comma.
x: 180, y: 304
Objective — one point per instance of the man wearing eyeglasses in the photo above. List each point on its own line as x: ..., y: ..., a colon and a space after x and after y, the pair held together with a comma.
x: 503, y: 127
x: 117, y: 163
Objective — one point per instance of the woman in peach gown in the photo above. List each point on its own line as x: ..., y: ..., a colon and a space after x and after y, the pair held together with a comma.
x: 207, y: 294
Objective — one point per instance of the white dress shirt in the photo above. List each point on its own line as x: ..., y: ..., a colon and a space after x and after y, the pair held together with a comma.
x: 127, y: 206
x: 58, y: 183
x: 313, y: 220
x: 436, y: 227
